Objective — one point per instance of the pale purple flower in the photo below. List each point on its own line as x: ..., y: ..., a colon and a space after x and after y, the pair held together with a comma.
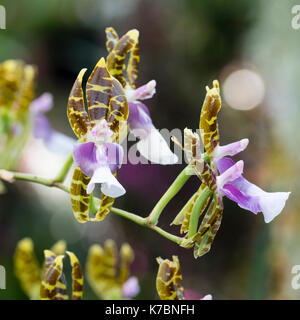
x: 193, y: 295
x: 152, y: 145
x: 230, y: 149
x: 99, y: 159
x: 42, y: 129
x: 248, y: 196
x: 131, y: 288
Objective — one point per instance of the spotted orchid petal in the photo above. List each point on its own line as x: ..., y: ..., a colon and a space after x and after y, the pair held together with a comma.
x: 152, y: 145
x: 250, y: 197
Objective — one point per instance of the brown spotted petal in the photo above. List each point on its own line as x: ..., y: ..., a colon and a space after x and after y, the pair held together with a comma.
x: 168, y: 280
x: 208, y: 229
x: 27, y: 268
x: 126, y: 257
x: 111, y: 38
x: 133, y: 65
x: 77, y: 277
x: 53, y: 286
x: 102, y: 271
x: 208, y: 119
x: 183, y: 218
x: 116, y: 57
x: 77, y: 114
x: 80, y: 199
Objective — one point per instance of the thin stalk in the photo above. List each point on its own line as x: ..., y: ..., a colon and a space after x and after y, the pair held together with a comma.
x: 169, y: 194
x: 200, y: 202
x: 65, y: 169
x: 10, y: 176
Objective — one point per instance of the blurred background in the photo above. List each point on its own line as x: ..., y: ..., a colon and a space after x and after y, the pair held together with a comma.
x: 251, y: 47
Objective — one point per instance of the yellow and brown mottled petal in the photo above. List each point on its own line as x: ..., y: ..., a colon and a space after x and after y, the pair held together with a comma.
x: 26, y: 91
x: 101, y: 270
x: 127, y: 257
x: 77, y: 114
x: 186, y: 212
x: 208, y: 119
x: 133, y: 65
x: 98, y: 92
x: 168, y: 279
x: 116, y: 57
x: 106, y: 204
x: 118, y: 107
x: 211, y: 225
x: 79, y: 198
x: 59, y: 248
x: 111, y: 38
x: 77, y: 277
x: 53, y: 286
x: 27, y: 268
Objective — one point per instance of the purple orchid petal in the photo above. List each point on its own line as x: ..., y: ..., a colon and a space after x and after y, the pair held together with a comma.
x: 230, y: 149
x: 110, y: 186
x: 42, y: 128
x: 131, y: 287
x: 139, y: 117
x: 89, y: 157
x: 115, y: 154
x: 42, y: 104
x: 250, y: 197
x: 60, y: 143
x: 144, y: 92
x: 230, y: 174
x: 152, y: 145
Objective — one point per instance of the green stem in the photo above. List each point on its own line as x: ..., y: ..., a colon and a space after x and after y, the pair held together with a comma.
x: 10, y: 176
x: 65, y: 169
x: 200, y: 202
x: 170, y: 193
x: 144, y: 223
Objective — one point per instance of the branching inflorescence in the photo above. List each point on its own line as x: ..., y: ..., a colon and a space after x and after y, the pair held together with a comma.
x: 103, y: 116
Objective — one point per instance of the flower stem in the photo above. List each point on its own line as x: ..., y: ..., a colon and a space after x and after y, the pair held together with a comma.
x: 65, y: 169
x: 200, y: 202
x: 10, y: 176
x: 170, y: 193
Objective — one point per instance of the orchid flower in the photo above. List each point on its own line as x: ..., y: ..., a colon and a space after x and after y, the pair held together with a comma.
x: 97, y: 155
x: 106, y: 279
x: 152, y: 145
x: 220, y: 177
x: 169, y: 282
x: 47, y: 282
x: 42, y: 129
